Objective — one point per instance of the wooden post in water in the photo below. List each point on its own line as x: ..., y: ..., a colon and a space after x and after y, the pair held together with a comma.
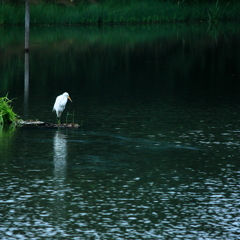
x: 27, y: 24
x: 26, y: 85
x: 26, y: 70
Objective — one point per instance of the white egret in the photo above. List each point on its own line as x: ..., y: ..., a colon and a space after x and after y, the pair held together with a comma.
x: 60, y: 103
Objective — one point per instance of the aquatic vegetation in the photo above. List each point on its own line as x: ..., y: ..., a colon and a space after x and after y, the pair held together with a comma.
x: 69, y: 114
x: 6, y: 112
x: 121, y: 12
x: 215, y: 12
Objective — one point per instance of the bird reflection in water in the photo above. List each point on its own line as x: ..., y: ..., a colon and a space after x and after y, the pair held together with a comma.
x: 60, y: 163
x: 60, y: 155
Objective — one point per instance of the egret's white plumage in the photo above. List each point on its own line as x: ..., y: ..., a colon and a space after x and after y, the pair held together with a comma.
x: 60, y: 103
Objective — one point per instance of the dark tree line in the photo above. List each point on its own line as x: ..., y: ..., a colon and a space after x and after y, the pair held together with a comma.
x: 64, y: 2
x: 67, y: 2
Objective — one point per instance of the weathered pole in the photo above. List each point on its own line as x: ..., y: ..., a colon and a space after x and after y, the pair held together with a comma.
x: 26, y: 70
x: 26, y: 84
x: 27, y: 24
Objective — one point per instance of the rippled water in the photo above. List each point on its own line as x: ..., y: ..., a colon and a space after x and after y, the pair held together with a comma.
x: 81, y: 184
x: 146, y: 163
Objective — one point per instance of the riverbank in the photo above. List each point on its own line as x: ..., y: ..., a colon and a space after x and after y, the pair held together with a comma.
x: 134, y: 12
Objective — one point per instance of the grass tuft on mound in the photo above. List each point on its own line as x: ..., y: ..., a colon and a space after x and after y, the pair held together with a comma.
x: 7, y: 115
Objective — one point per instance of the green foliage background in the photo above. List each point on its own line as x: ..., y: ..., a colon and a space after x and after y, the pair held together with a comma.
x: 44, y: 12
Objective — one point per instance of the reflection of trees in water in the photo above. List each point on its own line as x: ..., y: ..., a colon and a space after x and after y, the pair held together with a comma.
x: 60, y: 163
x: 158, y: 65
x: 172, y: 54
x: 6, y: 138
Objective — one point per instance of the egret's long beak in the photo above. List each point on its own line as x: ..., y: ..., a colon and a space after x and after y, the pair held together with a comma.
x: 69, y: 98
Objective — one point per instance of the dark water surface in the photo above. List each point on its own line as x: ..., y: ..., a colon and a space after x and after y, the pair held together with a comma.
x: 157, y: 156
